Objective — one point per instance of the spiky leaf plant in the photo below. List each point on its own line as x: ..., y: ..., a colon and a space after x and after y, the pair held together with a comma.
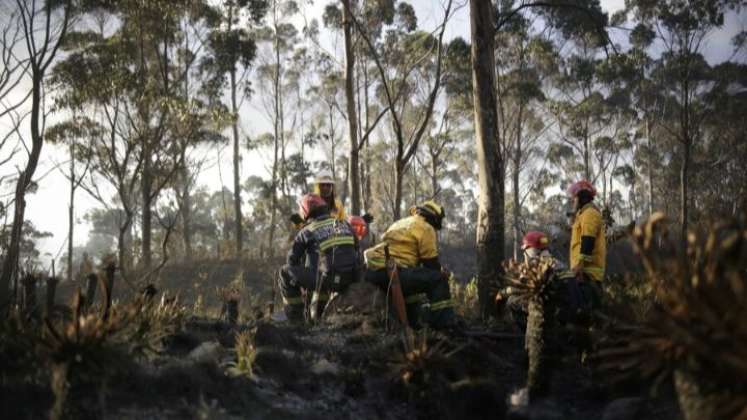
x: 697, y: 330
x: 418, y: 364
x: 532, y: 281
x: 528, y: 279
x: 81, y: 351
x: 245, y: 355
x: 425, y: 371
x: 151, y: 322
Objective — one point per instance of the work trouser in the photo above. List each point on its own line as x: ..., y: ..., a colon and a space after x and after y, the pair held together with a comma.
x: 295, y: 280
x: 560, y: 319
x: 426, y: 293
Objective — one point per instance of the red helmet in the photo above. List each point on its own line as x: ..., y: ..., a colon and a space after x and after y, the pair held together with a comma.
x: 582, y: 185
x: 535, y: 239
x: 308, y: 203
x: 360, y: 227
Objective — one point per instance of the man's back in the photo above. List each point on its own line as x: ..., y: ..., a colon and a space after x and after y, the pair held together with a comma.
x: 326, y: 236
x: 410, y: 241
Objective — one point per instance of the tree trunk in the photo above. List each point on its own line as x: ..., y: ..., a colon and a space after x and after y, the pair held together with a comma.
x: 71, y: 216
x: 516, y: 186
x: 123, y: 243
x: 277, y: 129
x: 10, y: 265
x: 236, y: 168
x: 332, y: 137
x: 587, y: 163
x: 516, y: 213
x: 490, y: 223
x: 687, y: 142
x: 367, y: 187
x: 186, y: 210
x: 304, y: 184
x: 147, y: 185
x: 274, y: 202
x: 353, y: 163
x: 399, y: 175
x: 366, y: 178
x: 684, y: 172
x: 435, y: 163
x: 146, y: 181
x: 650, y: 169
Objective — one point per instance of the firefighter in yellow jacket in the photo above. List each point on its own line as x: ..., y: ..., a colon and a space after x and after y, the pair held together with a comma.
x: 588, y: 250
x: 413, y: 244
x: 324, y: 186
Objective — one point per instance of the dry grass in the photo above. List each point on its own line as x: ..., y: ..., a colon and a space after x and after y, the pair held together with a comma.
x: 149, y: 323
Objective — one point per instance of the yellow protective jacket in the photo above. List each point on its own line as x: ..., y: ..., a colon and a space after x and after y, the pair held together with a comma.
x: 411, y: 240
x: 338, y: 212
x: 589, y: 223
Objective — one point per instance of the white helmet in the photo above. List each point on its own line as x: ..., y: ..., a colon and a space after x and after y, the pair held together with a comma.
x: 324, y: 177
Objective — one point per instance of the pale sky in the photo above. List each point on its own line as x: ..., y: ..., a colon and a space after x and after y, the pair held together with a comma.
x: 48, y: 207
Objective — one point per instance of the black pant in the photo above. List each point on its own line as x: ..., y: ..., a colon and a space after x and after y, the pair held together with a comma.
x: 437, y: 310
x: 295, y: 280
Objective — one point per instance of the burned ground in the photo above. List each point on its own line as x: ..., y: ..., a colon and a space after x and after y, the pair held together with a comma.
x: 351, y: 366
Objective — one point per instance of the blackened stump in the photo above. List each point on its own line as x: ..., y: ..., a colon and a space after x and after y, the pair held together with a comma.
x: 29, y: 293
x: 51, y: 291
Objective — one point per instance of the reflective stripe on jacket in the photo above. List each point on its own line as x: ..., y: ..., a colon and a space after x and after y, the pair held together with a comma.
x: 332, y: 238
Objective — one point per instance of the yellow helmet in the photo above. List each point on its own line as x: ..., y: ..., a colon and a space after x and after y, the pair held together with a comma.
x: 431, y: 211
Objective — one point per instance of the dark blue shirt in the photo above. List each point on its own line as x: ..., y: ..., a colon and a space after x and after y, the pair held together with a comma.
x: 329, y: 238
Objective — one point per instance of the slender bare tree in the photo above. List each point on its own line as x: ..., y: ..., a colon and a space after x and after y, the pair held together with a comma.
x: 44, y: 29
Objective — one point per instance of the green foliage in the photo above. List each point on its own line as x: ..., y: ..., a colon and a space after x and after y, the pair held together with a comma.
x: 245, y: 355
x: 231, y: 48
x: 642, y: 36
x: 405, y: 18
x: 578, y: 19
x: 332, y: 16
x: 458, y: 73
x: 465, y: 298
x: 29, y: 252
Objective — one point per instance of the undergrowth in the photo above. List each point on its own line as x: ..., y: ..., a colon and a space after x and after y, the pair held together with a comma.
x: 694, y: 330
